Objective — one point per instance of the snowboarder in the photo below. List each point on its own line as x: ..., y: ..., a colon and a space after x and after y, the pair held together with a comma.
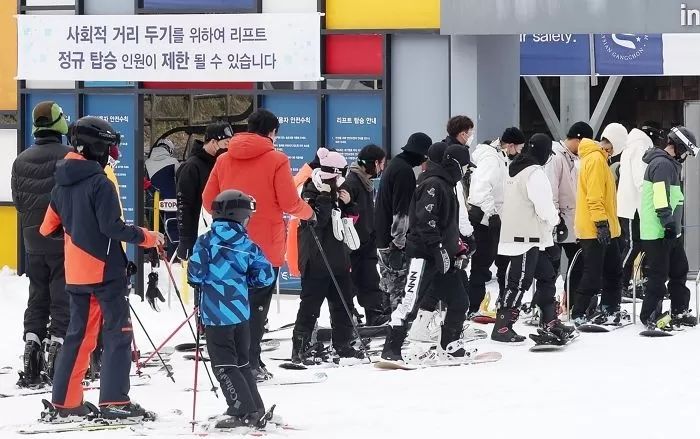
x: 224, y: 264
x: 485, y: 205
x: 324, y: 193
x: 436, y: 253
x: 84, y: 206
x: 253, y: 166
x: 528, y: 221
x: 365, y: 278
x: 31, y: 183
x: 598, y: 232
x: 191, y: 179
x: 661, y: 231
x: 396, y: 189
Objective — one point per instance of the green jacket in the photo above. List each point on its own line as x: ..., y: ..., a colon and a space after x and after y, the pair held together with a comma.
x: 662, y: 197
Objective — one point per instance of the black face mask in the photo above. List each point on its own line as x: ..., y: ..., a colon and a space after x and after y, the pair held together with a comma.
x: 220, y: 151
x: 512, y: 156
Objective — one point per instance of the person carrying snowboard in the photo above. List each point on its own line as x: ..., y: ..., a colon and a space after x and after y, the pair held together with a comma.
x: 85, y: 208
x: 434, y: 247
x: 661, y: 231
x: 528, y: 221
x: 224, y: 264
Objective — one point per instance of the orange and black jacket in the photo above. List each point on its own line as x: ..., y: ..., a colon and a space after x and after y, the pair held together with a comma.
x: 86, y: 204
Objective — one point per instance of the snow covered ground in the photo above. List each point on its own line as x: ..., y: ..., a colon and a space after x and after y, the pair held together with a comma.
x: 615, y: 385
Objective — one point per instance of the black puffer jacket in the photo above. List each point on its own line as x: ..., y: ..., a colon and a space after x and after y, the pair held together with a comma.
x: 32, y: 182
x: 363, y: 198
x: 190, y: 180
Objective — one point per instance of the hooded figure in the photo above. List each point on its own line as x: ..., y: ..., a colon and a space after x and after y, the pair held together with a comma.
x: 434, y: 244
x: 528, y: 220
x: 614, y: 140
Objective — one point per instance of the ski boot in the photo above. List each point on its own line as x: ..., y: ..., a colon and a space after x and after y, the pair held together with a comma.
x: 660, y: 321
x: 377, y: 318
x: 425, y: 328
x: 33, y: 362
x: 52, y: 350
x: 129, y: 412
x: 257, y: 419
x: 554, y: 333
x: 261, y: 373
x: 610, y: 316
x: 503, y: 329
x: 57, y: 415
x: 684, y: 319
x: 393, y: 343
x: 346, y: 355
x: 452, y: 346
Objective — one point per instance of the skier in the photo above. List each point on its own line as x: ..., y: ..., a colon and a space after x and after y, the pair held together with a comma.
x: 661, y: 230
x: 598, y: 232
x: 485, y: 204
x: 253, y: 166
x: 436, y: 253
x: 191, y: 178
x: 31, y: 183
x: 528, y: 220
x: 84, y: 205
x: 324, y: 193
x: 161, y: 168
x: 396, y: 189
x: 223, y: 265
x: 562, y: 172
x: 632, y: 169
x: 365, y: 278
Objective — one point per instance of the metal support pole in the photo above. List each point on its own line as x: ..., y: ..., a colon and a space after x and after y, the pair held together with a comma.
x: 545, y: 106
x: 601, y: 109
x: 637, y: 274
x: 568, y: 283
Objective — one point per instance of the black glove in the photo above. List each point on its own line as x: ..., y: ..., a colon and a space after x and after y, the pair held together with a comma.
x: 154, y: 257
x: 184, y: 248
x: 554, y: 253
x: 442, y: 260
x: 603, y: 232
x: 495, y: 222
x: 475, y: 215
x: 396, y: 258
x: 468, y: 246
x: 561, y: 232
x: 152, y: 291
x: 670, y: 231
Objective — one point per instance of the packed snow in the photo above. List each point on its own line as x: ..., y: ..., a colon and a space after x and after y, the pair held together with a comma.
x: 615, y: 385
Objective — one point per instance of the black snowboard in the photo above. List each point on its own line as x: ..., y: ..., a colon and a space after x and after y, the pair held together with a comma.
x: 654, y: 333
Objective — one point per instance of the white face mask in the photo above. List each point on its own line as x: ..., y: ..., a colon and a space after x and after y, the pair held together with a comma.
x: 470, y: 139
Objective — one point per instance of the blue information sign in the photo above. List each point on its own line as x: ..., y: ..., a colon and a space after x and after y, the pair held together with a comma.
x: 353, y: 121
x: 66, y: 101
x: 120, y: 112
x: 554, y: 54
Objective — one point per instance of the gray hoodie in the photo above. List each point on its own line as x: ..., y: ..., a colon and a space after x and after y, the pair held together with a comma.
x: 562, y: 172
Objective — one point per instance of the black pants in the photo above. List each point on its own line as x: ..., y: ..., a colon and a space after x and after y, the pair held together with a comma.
x: 260, y: 299
x: 486, y: 251
x: 94, y: 308
x: 313, y: 292
x: 502, y: 263
x: 365, y: 279
x: 602, y: 268
x: 48, y: 300
x: 449, y: 288
x: 532, y: 265
x: 631, y: 247
x: 228, y: 348
x: 665, y: 261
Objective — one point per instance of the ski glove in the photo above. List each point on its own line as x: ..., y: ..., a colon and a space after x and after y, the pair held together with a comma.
x: 318, y: 182
x: 154, y: 257
x: 494, y: 222
x: 561, y: 232
x: 152, y: 291
x: 603, y: 232
x: 670, y: 231
x: 396, y: 258
x: 468, y: 246
x: 442, y: 260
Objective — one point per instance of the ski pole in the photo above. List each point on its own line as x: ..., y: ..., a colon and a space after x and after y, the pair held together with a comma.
x: 139, y: 364
x: 340, y: 293
x: 568, y: 283
x: 196, y: 370
x: 182, y: 304
x: 167, y: 339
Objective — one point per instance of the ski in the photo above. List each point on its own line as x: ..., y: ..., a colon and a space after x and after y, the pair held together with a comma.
x: 5, y: 370
x: 136, y: 381
x: 73, y: 427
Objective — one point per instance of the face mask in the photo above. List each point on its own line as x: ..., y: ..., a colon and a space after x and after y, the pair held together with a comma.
x: 220, y: 151
x: 512, y: 156
x: 470, y: 139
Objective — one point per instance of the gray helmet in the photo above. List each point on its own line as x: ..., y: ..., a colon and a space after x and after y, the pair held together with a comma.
x: 233, y: 205
x: 684, y: 142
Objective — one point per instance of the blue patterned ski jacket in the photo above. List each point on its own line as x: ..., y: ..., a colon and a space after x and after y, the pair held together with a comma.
x: 224, y: 264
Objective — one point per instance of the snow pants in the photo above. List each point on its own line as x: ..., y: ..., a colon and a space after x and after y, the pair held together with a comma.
x: 229, y: 347
x: 47, y: 305
x: 94, y: 307
x: 602, y: 268
x: 365, y: 279
x: 523, y: 269
x: 486, y: 251
x: 260, y: 299
x: 313, y: 292
x: 631, y: 247
x: 392, y: 282
x: 665, y: 261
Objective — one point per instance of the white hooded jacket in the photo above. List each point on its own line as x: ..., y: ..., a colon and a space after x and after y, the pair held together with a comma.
x: 632, y: 170
x: 562, y: 172
x: 487, y: 180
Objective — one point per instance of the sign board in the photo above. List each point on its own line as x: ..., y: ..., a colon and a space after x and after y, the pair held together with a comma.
x: 216, y: 47
x: 352, y: 122
x: 298, y: 133
x: 554, y: 54
x: 168, y: 205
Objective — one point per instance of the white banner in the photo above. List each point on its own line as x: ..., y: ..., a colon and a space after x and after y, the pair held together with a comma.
x: 198, y: 48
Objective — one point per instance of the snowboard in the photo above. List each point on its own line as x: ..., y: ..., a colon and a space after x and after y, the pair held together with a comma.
x: 542, y: 344
x: 484, y: 320
x: 136, y: 381
x: 593, y: 328
x: 484, y: 357
x: 656, y: 333
x: 5, y: 370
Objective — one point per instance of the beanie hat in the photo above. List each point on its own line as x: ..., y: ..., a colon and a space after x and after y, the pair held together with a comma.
x: 540, y: 148
x: 48, y: 116
x: 580, y: 130
x: 418, y: 143
x: 436, y: 152
x: 513, y: 135
x: 333, y: 164
x: 616, y: 134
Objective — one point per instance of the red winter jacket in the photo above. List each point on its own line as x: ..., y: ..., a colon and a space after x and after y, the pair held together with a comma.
x: 252, y: 165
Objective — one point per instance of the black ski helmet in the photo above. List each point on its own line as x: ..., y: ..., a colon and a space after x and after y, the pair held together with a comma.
x: 233, y: 205
x: 683, y: 141
x: 654, y: 132
x: 92, y: 137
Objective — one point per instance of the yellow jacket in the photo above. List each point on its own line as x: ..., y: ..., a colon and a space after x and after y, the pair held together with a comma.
x: 596, y: 195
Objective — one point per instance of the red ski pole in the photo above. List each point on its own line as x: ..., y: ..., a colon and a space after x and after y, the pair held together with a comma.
x: 196, y: 372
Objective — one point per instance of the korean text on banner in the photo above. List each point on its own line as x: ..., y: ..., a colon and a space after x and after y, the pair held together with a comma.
x: 197, y: 47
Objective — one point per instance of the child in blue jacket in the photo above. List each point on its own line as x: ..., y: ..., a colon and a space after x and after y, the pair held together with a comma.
x: 223, y: 265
